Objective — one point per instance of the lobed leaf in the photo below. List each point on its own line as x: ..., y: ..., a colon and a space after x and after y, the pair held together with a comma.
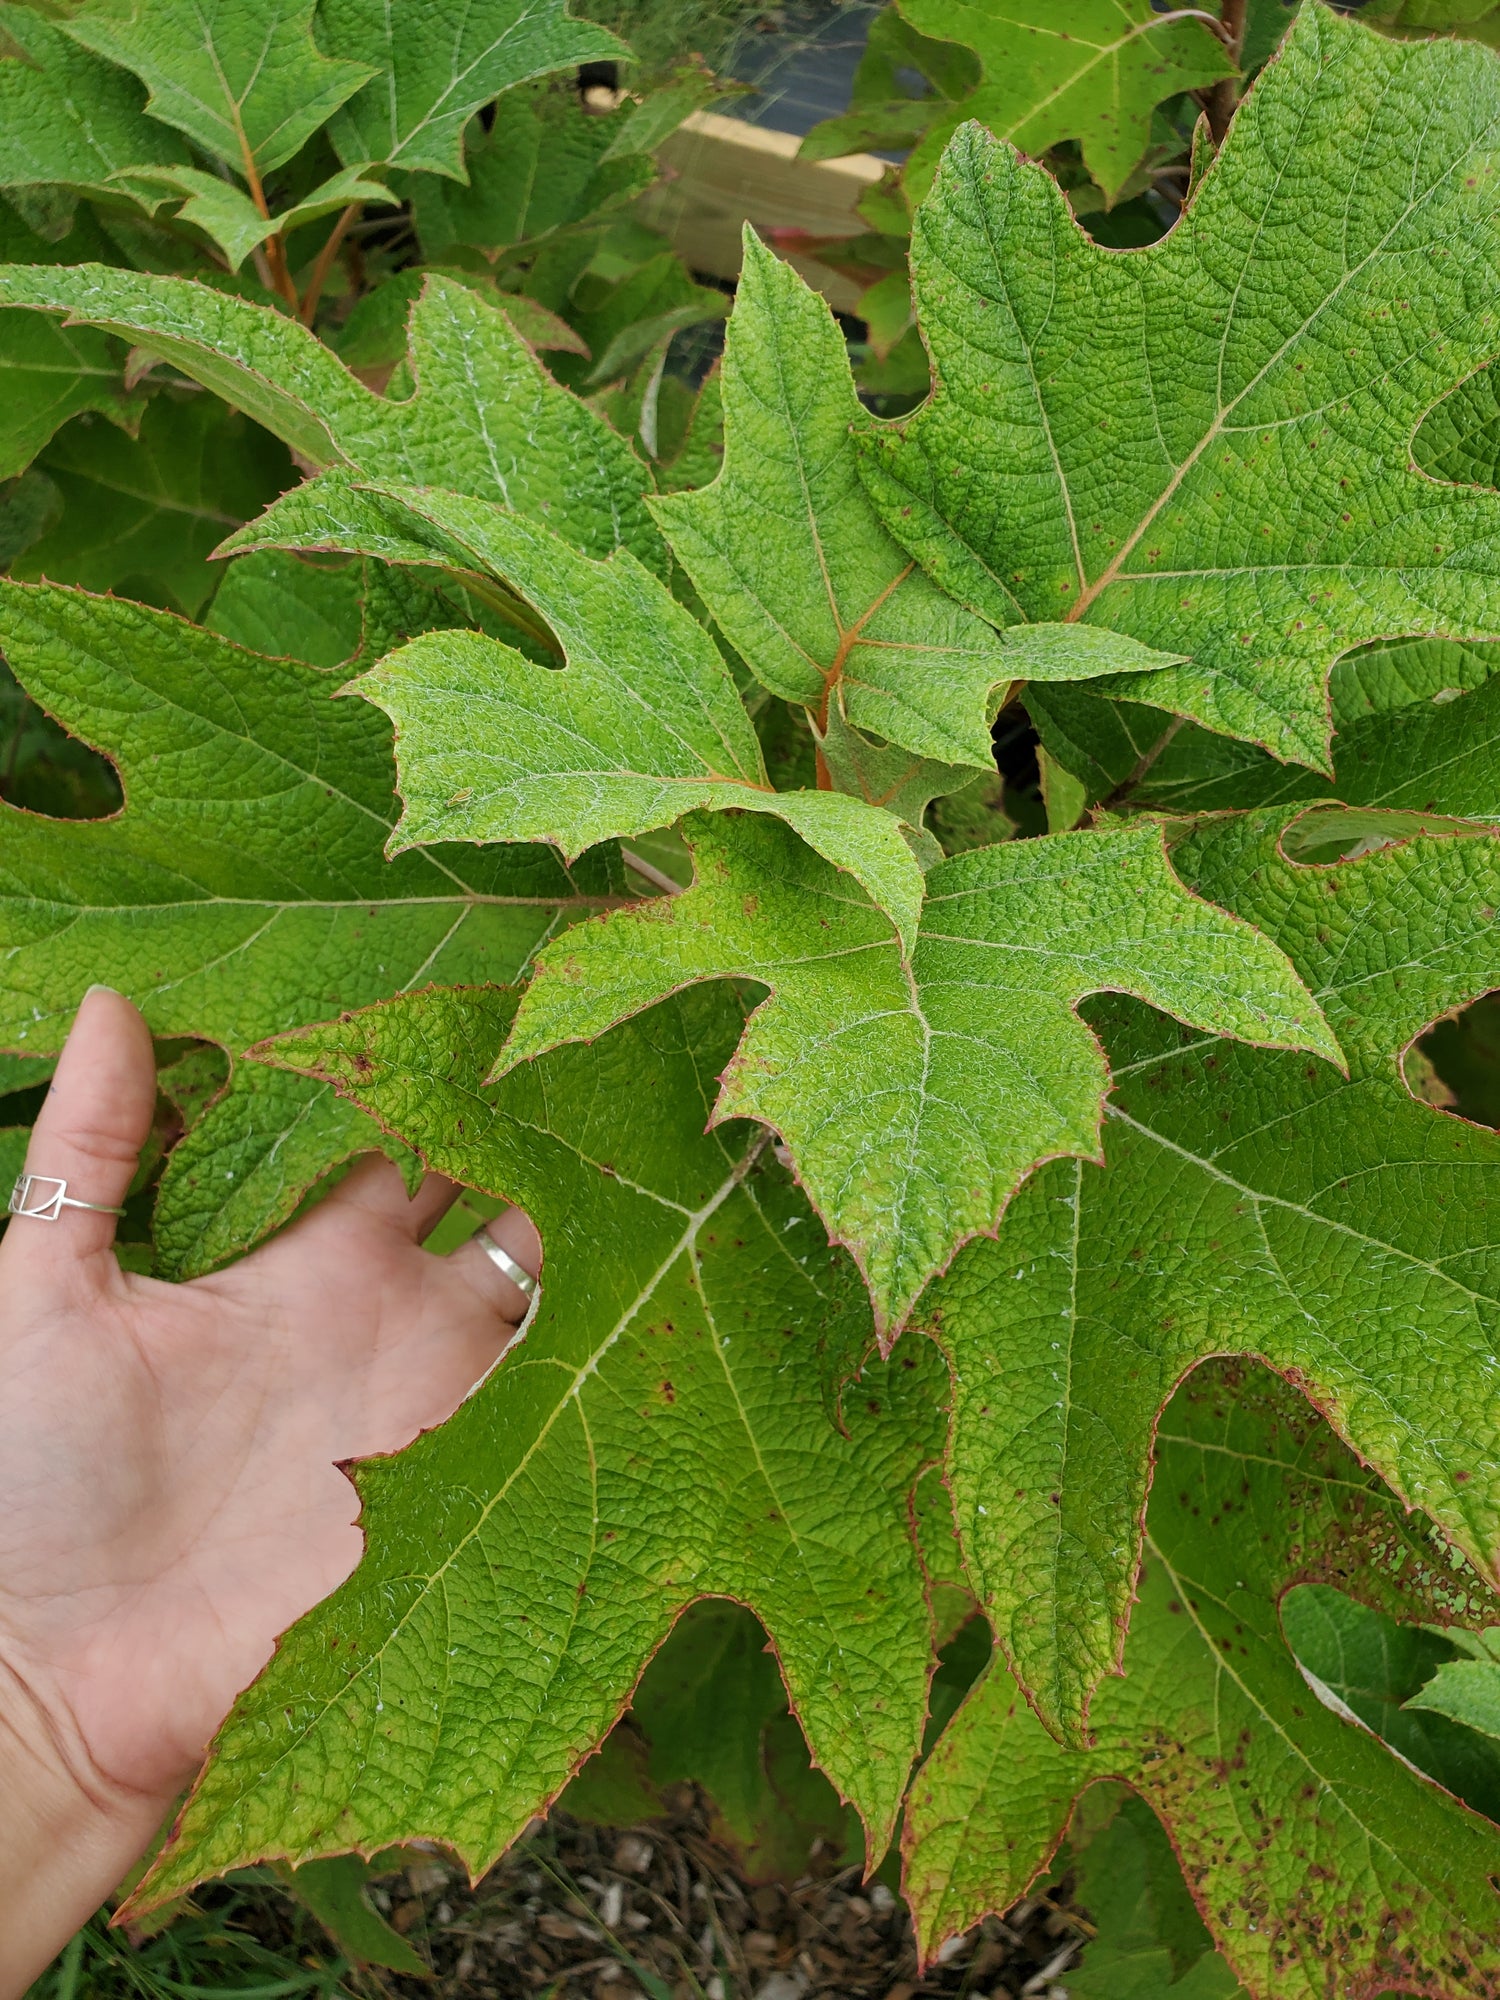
x: 1094, y: 73
x: 440, y: 63
x: 1312, y: 1852
x: 657, y: 1436
x: 1251, y: 1203
x: 915, y: 1094
x: 485, y: 418
x: 66, y: 118
x: 1206, y: 444
x: 242, y: 78
x: 642, y: 725
x: 790, y: 557
x: 243, y: 889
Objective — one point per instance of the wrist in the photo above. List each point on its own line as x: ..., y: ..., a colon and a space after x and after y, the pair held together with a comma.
x: 68, y: 1834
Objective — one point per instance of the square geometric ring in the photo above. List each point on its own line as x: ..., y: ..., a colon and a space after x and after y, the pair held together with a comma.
x: 40, y: 1198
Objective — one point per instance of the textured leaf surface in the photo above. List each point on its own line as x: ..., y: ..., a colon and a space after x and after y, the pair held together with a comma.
x: 143, y: 514
x: 243, y: 889
x: 658, y: 1435
x: 1206, y: 444
x: 915, y: 1096
x: 788, y: 552
x: 438, y: 64
x: 66, y: 118
x: 1311, y: 1850
x: 642, y: 725
x: 486, y: 417
x: 1092, y: 72
x: 242, y: 78
x: 1251, y: 1203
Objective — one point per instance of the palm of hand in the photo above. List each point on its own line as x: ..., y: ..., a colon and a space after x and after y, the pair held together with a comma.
x: 170, y: 1498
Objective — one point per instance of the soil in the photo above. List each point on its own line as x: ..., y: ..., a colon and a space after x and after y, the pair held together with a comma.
x: 658, y: 1912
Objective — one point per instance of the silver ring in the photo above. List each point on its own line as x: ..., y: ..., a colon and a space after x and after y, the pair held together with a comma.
x: 519, y: 1276
x: 28, y: 1201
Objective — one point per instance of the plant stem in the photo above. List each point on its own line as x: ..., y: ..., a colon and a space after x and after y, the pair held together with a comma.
x: 275, y: 249
x: 324, y: 265
x: 1225, y: 94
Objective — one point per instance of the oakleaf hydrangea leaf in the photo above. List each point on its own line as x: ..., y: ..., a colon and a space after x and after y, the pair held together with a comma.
x: 643, y: 724
x: 1206, y: 444
x: 1314, y: 1854
x: 243, y: 888
x: 66, y: 118
x: 1094, y: 73
x: 440, y: 63
x: 486, y: 417
x: 658, y: 1436
x: 242, y: 78
x: 915, y: 1096
x: 788, y: 553
x: 1252, y: 1203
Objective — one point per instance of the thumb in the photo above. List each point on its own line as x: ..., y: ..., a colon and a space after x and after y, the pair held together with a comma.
x: 89, y: 1134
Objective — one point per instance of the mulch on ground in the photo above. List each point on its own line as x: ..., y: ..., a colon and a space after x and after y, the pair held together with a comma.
x: 658, y: 1912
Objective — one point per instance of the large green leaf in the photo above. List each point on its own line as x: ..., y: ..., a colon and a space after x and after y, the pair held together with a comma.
x: 66, y: 118
x: 643, y: 724
x: 789, y: 555
x: 143, y: 514
x: 243, y: 888
x: 1093, y: 71
x: 1252, y: 1203
x: 486, y: 418
x: 658, y: 1435
x: 1206, y: 444
x: 915, y: 1095
x: 242, y: 78
x: 1321, y: 1863
x: 441, y: 62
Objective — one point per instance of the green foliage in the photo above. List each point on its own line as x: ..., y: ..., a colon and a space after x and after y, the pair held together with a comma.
x: 1306, y: 1843
x: 1096, y: 77
x: 916, y: 1140
x: 1280, y: 372
x: 659, y: 1435
x: 1024, y: 874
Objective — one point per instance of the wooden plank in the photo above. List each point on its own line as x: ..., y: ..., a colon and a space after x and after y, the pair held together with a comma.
x: 722, y: 173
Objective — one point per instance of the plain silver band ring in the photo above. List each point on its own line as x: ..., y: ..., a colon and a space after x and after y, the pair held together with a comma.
x: 49, y: 1207
x: 519, y: 1276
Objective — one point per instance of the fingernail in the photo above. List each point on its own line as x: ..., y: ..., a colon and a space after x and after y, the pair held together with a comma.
x: 105, y: 989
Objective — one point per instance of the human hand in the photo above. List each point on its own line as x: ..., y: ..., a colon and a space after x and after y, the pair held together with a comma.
x: 170, y: 1498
